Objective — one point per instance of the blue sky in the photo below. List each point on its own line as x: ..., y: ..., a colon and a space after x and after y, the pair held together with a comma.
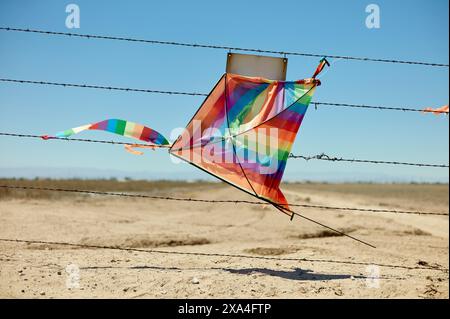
x: 410, y: 30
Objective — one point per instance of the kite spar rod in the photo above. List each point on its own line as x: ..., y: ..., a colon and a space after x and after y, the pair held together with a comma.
x: 284, y: 210
x: 335, y: 230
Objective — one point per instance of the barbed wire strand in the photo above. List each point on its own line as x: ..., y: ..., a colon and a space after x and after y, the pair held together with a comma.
x: 221, y: 47
x: 325, y: 157
x: 157, y: 251
x: 129, y: 89
x: 102, y: 87
x: 379, y: 107
x: 292, y: 213
x: 223, y: 201
x: 322, y: 157
x: 205, y: 46
x: 77, y: 139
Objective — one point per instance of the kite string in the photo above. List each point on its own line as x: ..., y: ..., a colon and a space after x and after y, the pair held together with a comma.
x: 283, y: 209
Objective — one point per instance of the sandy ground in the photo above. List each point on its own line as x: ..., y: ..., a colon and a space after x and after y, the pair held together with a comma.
x: 50, y: 271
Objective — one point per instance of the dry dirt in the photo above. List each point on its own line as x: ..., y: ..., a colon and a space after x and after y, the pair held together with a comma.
x: 290, y: 259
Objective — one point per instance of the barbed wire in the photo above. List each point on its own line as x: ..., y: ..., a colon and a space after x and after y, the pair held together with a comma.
x: 157, y: 251
x: 325, y: 157
x: 8, y: 259
x: 102, y: 87
x: 70, y: 139
x: 129, y: 89
x: 221, y: 47
x: 378, y: 107
x: 215, y: 201
x: 322, y: 157
x: 284, y: 210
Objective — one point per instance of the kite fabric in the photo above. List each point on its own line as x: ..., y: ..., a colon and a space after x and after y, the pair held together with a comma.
x: 242, y: 133
x: 320, y: 67
x: 438, y: 111
x: 236, y: 122
x: 131, y: 148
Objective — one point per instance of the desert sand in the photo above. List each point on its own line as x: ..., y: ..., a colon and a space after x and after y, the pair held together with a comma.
x: 300, y: 259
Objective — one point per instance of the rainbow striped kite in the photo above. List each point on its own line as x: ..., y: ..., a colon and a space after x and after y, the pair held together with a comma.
x: 242, y: 133
x: 247, y: 127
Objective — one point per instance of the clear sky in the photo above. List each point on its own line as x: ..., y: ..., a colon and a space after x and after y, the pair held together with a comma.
x: 410, y: 30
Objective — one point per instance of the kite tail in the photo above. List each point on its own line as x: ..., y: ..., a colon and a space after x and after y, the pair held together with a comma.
x: 131, y: 148
x: 121, y: 127
x: 437, y: 111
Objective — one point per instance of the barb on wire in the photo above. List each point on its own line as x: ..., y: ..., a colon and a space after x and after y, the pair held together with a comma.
x: 128, y: 89
x: 223, y: 201
x: 322, y: 157
x: 379, y: 107
x: 42, y: 137
x: 325, y: 157
x: 222, y: 47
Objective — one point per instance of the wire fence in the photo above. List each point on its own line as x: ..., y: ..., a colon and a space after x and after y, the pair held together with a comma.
x: 239, y: 256
x: 200, y: 200
x: 321, y: 157
x: 130, y: 89
x: 379, y: 107
x: 325, y: 157
x: 221, y: 47
x: 41, y: 137
x: 101, y: 87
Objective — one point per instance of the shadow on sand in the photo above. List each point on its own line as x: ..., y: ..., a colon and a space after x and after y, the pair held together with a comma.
x: 294, y: 274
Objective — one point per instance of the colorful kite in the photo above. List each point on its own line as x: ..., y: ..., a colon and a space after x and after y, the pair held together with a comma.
x: 242, y: 133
